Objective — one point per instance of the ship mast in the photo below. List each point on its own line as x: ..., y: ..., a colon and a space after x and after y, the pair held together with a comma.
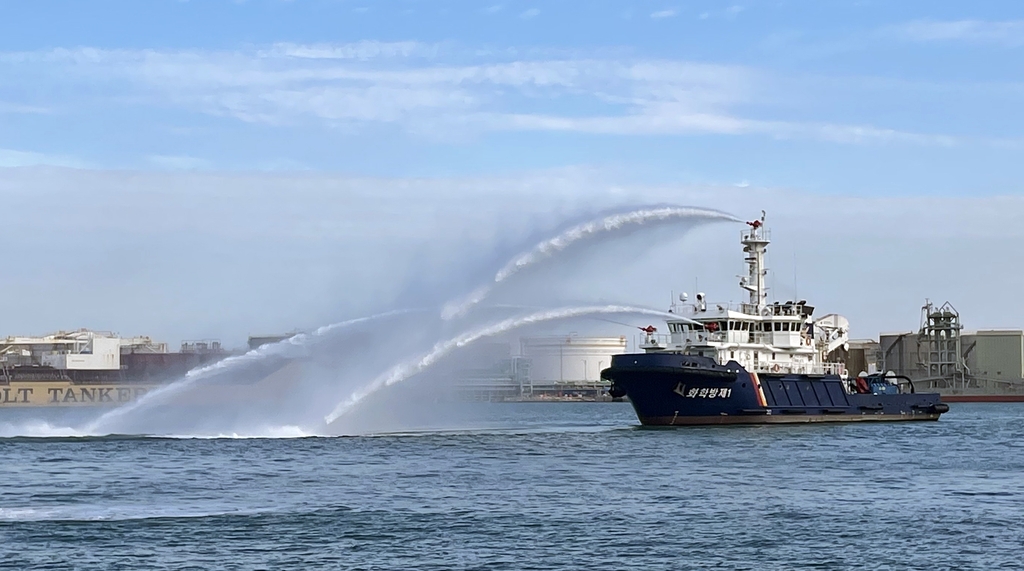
x: 755, y: 243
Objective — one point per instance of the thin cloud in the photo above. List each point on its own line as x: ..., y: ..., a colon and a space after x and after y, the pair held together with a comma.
x: 531, y: 13
x: 365, y: 50
x: 178, y: 162
x: 14, y: 158
x: 414, y: 86
x: 6, y: 107
x: 663, y: 121
x: 663, y: 14
x: 1008, y: 33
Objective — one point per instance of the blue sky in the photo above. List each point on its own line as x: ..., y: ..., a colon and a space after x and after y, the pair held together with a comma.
x: 837, y: 97
x: 217, y: 168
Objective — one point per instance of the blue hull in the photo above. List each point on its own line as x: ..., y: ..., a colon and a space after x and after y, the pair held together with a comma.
x: 671, y: 389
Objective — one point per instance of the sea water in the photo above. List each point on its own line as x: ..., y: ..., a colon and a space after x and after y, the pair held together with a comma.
x: 528, y: 486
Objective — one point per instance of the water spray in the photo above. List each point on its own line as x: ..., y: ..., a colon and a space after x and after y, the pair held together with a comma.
x: 548, y: 248
x: 290, y: 348
x: 406, y: 370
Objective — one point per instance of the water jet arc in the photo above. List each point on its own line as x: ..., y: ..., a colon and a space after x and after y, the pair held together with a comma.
x: 648, y: 215
x: 406, y: 370
x: 291, y: 347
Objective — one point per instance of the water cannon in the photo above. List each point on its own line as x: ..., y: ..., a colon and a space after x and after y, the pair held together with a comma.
x: 701, y: 302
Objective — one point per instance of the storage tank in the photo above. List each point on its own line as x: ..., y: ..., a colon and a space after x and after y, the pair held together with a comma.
x: 568, y: 359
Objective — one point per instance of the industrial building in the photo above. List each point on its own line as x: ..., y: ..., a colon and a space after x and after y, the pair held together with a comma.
x: 979, y: 365
x: 99, y: 356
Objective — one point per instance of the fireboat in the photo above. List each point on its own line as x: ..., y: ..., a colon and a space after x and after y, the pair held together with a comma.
x: 756, y: 363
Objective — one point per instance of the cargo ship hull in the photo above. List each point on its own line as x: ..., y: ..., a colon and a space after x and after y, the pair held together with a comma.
x: 680, y: 390
x: 27, y: 394
x: 38, y: 386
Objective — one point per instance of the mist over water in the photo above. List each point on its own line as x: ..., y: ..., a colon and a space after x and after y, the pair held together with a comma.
x: 405, y: 370
x: 290, y: 349
x: 343, y: 378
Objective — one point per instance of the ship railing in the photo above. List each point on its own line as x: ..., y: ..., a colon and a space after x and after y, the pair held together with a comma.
x: 832, y: 369
x: 761, y: 233
x: 654, y: 340
x: 706, y: 337
x: 689, y: 309
x: 743, y: 337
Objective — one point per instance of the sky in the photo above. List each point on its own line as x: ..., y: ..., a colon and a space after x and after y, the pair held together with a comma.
x: 217, y: 168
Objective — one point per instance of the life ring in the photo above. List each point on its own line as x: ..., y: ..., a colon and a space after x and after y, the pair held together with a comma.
x: 775, y: 369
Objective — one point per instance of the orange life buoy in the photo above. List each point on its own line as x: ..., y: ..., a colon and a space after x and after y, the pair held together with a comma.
x: 775, y: 369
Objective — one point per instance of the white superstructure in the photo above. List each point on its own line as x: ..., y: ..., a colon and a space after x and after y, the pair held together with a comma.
x: 762, y: 337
